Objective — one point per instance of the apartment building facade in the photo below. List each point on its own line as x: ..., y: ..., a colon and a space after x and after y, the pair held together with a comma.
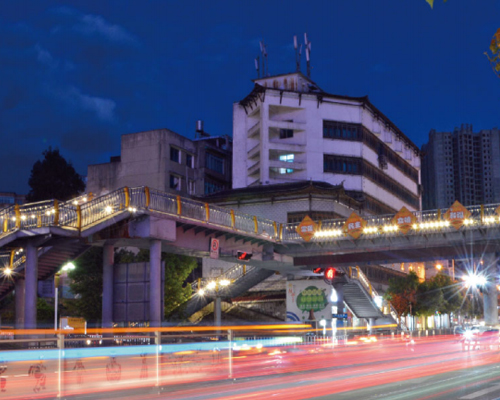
x: 461, y: 165
x: 167, y: 161
x: 288, y: 129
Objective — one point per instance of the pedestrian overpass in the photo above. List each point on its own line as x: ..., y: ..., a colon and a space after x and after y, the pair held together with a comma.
x: 38, y: 237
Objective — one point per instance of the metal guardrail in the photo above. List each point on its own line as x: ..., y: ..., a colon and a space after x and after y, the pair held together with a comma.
x: 73, y: 215
x: 481, y: 216
x: 232, y: 274
x: 357, y: 274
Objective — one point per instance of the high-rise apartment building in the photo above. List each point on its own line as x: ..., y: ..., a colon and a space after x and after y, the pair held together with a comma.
x: 288, y: 129
x: 461, y: 165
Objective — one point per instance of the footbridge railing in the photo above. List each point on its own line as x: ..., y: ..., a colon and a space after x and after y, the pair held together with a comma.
x: 84, y: 212
x: 356, y: 274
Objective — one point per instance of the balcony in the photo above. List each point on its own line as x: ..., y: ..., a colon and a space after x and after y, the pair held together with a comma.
x: 296, y: 166
x: 254, y: 169
x: 254, y: 152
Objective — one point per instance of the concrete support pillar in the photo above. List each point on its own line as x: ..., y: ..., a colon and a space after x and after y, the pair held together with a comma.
x: 108, y: 260
x: 20, y: 297
x: 371, y: 321
x: 31, y: 286
x: 217, y: 311
x: 155, y: 316
x: 490, y: 293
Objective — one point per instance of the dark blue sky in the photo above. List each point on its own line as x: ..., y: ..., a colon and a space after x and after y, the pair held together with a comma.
x: 76, y: 75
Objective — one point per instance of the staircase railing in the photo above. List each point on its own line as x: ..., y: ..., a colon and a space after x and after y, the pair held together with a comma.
x: 357, y: 274
x: 232, y: 274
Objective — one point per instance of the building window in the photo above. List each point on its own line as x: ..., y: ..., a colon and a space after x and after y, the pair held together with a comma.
x: 286, y: 133
x: 357, y: 132
x: 358, y: 166
x: 287, y: 157
x: 214, y: 163
x: 189, y: 160
x: 175, y: 182
x: 191, y: 187
x: 6, y: 200
x: 175, y: 155
x: 283, y: 171
x: 212, y: 187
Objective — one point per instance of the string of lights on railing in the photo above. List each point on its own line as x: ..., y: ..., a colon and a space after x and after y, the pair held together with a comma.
x: 416, y: 227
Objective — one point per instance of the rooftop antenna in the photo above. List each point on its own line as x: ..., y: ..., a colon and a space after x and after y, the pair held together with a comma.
x: 308, y: 55
x: 298, y: 52
x: 257, y: 65
x: 263, y: 50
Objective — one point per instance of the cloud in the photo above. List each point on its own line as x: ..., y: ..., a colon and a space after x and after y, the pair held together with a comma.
x: 91, y: 25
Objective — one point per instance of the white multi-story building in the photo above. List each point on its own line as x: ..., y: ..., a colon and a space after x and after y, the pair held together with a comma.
x: 288, y: 129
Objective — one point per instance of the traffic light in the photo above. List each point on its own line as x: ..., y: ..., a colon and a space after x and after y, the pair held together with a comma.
x: 243, y: 256
x: 330, y: 274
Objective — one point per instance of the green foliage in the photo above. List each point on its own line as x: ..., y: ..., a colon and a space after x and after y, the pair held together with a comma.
x: 439, y: 294
x: 402, y: 293
x: 7, y: 310
x: 54, y: 178
x: 431, y: 2
x: 44, y: 313
x: 177, y: 270
x: 86, y: 283
x: 495, y: 53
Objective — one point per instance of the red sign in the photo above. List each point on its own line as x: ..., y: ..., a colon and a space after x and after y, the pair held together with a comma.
x: 214, y: 248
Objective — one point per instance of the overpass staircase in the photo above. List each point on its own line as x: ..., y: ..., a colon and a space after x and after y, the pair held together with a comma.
x: 232, y: 283
x: 363, y: 300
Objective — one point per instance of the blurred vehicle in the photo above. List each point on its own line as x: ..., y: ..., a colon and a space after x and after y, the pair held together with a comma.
x: 477, y: 338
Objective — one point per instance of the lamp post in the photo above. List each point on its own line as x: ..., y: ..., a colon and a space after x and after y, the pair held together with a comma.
x: 215, y: 285
x: 67, y: 267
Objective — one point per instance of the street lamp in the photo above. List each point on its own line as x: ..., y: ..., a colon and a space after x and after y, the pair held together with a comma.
x: 475, y: 280
x: 66, y: 267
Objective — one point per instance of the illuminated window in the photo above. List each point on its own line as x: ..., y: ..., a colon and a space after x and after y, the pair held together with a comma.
x: 287, y: 157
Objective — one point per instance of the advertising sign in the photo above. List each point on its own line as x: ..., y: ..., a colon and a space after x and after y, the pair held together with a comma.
x: 354, y: 225
x: 307, y: 300
x: 457, y: 214
x: 404, y: 219
x: 71, y: 323
x: 307, y: 228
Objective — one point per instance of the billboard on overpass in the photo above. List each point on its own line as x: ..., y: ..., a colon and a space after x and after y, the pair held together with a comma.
x: 306, y: 299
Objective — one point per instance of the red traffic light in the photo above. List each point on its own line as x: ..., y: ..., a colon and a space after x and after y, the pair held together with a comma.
x: 243, y: 255
x: 330, y: 273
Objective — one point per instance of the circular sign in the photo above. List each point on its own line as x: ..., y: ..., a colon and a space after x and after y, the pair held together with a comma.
x: 215, y: 245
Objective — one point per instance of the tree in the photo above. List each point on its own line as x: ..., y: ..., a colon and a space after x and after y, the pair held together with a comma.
x: 177, y: 270
x: 495, y: 53
x: 86, y: 284
x: 87, y: 280
x: 431, y: 2
x: 54, y: 178
x: 402, y: 293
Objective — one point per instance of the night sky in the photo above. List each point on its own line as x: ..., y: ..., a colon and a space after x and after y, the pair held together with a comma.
x: 77, y: 75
